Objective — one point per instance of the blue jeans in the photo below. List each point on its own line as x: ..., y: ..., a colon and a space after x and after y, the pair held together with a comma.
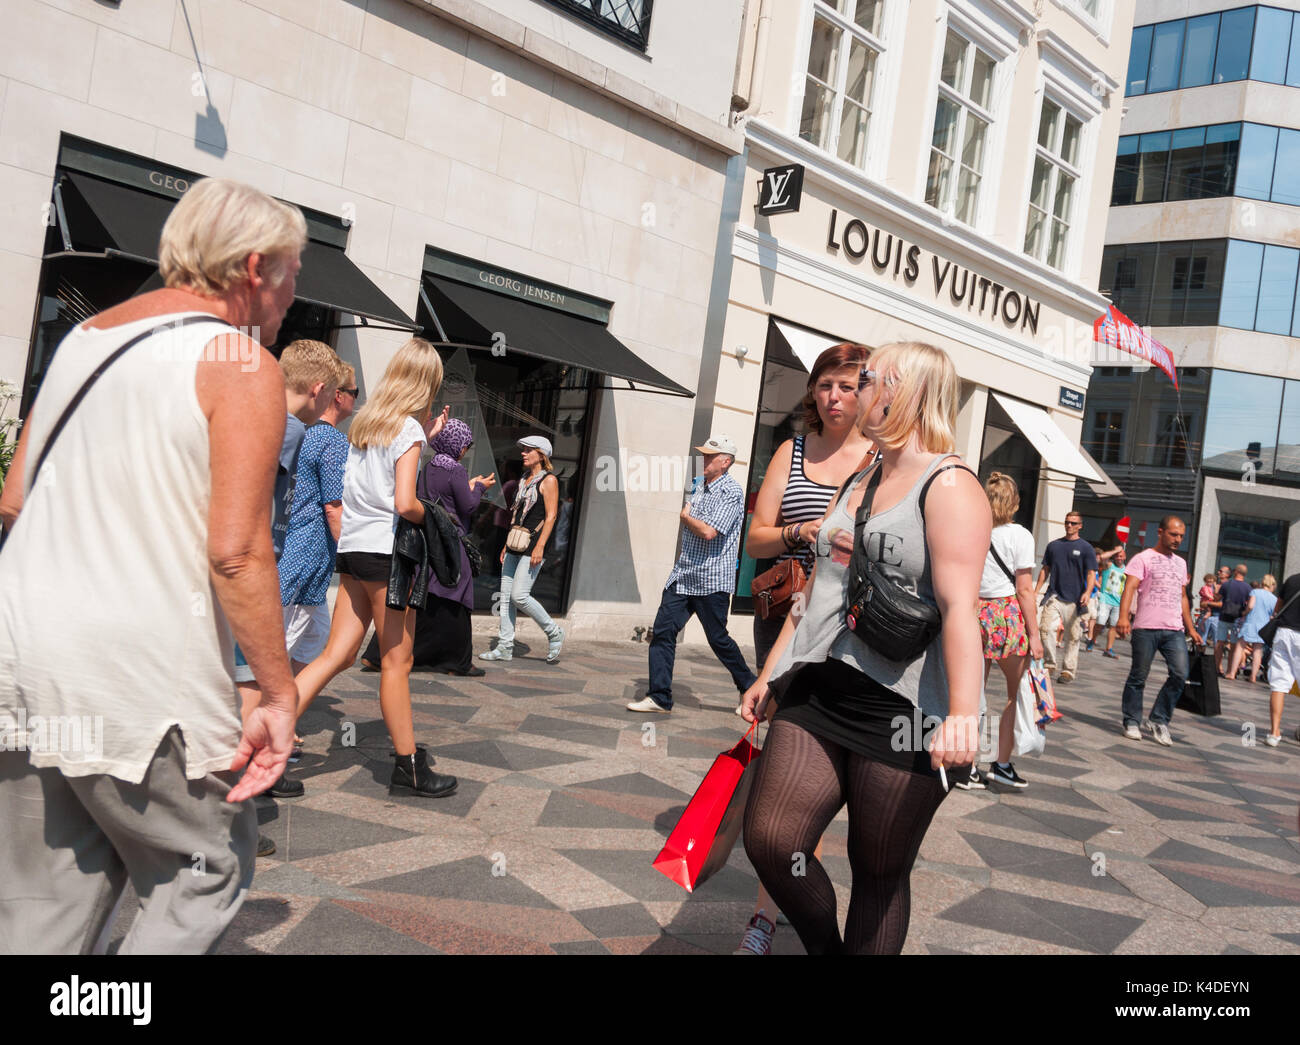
x: 517, y: 576
x: 1173, y: 647
x: 674, y: 611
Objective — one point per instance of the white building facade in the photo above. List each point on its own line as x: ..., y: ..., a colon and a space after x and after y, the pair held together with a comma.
x: 536, y: 184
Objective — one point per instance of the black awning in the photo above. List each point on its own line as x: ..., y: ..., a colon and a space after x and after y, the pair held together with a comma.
x: 119, y: 220
x: 470, y: 316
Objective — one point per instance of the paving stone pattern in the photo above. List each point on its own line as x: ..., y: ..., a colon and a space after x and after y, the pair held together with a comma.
x: 565, y: 798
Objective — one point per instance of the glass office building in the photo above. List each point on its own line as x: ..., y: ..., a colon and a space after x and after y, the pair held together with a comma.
x: 1201, y: 249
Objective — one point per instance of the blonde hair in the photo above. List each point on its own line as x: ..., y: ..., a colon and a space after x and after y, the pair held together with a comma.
x: 1268, y: 581
x: 217, y: 224
x: 410, y: 382
x: 1004, y: 497
x: 347, y: 375
x: 305, y: 362
x: 926, y: 394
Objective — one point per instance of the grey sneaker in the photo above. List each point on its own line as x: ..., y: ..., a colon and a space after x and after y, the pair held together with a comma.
x: 758, y: 937
x: 557, y: 641
x: 1132, y: 731
x: 1160, y: 734
x: 500, y: 653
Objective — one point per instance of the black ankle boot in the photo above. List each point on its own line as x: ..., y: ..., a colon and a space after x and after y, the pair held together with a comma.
x: 412, y: 776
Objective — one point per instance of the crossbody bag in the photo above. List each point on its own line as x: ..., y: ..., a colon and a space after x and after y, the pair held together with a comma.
x: 881, y: 612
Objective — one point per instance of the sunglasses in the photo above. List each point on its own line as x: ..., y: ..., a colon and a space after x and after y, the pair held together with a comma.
x: 1072, y: 522
x: 865, y: 377
x: 350, y: 391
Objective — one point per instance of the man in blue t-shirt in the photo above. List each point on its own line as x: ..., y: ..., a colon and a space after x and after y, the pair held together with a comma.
x: 1069, y: 569
x: 1232, y: 598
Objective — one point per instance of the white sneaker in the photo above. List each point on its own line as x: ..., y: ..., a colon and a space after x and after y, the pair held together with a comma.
x: 556, y: 642
x: 1273, y: 741
x: 1132, y: 732
x: 648, y: 704
x: 500, y: 653
x: 1160, y: 734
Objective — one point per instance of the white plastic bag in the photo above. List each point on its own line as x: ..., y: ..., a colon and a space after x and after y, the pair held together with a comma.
x: 1031, y: 738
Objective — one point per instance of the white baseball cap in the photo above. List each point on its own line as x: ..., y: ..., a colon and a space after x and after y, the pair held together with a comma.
x: 535, y: 442
x: 718, y: 444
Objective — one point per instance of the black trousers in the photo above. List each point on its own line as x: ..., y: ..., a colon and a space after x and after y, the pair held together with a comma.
x: 443, y: 637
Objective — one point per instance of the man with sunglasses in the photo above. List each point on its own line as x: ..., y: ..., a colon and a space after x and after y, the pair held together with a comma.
x: 1069, y: 570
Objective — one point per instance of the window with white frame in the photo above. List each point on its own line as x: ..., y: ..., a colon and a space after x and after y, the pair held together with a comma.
x: 962, y: 120
x: 1054, y: 185
x: 841, y: 76
x: 1091, y: 6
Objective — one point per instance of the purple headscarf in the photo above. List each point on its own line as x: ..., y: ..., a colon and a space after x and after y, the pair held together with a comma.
x: 451, y: 442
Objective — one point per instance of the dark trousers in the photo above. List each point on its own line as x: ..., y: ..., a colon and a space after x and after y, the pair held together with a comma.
x: 674, y: 611
x: 1173, y: 647
x: 443, y: 637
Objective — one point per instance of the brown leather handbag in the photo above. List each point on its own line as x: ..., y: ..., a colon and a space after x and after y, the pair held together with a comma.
x: 774, y: 590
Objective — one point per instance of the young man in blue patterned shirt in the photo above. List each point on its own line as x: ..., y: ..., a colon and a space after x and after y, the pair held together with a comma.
x: 703, y: 579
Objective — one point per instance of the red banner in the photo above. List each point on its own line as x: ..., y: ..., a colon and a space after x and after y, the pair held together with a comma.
x: 1116, y: 330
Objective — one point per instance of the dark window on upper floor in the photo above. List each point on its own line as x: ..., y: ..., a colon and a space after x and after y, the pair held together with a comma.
x: 629, y: 20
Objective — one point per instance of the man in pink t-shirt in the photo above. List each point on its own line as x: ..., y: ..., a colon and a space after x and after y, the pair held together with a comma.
x: 1158, y: 577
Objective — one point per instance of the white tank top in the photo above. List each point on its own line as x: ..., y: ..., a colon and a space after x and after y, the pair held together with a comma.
x: 110, y: 633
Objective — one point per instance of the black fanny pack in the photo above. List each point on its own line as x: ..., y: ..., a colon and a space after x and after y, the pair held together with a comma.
x: 882, y: 613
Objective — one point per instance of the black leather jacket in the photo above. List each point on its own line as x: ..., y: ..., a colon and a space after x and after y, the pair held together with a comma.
x: 416, y: 549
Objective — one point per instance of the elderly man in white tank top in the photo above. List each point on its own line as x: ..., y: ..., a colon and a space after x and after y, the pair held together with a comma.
x: 139, y: 549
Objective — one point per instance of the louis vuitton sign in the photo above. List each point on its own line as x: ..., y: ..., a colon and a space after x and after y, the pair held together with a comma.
x: 894, y: 258
x: 781, y: 189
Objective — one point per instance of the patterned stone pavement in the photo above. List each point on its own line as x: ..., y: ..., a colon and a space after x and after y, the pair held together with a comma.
x: 565, y: 799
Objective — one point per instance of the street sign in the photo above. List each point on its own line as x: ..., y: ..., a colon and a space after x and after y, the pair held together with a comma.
x: 1121, y: 530
x: 1072, y: 398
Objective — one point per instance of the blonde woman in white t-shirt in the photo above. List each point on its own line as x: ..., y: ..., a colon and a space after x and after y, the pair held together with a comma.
x: 386, y: 438
x: 1008, y: 621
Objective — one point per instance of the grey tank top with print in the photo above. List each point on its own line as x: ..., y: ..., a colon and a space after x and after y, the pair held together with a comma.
x: 895, y: 541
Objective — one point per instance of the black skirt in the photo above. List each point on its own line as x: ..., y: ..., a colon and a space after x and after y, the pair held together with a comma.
x: 836, y: 702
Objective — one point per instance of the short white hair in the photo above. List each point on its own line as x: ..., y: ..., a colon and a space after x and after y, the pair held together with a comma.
x: 216, y: 225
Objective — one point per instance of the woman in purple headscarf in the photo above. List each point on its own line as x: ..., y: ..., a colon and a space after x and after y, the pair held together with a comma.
x: 443, y: 639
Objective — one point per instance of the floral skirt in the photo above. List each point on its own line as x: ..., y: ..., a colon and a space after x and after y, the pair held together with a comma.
x: 1003, y: 628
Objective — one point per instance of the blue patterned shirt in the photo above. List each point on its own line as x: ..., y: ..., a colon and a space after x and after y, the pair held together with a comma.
x: 705, y: 567
x: 308, y: 558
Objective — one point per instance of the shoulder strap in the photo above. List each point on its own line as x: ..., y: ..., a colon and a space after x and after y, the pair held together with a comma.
x: 935, y: 475
x: 998, y: 559
x: 1287, y: 605
x: 98, y: 372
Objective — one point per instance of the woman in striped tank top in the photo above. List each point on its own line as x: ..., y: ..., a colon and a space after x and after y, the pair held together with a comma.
x: 801, y: 480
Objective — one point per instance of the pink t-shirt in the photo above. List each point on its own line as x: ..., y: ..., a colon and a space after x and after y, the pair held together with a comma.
x: 1161, y: 580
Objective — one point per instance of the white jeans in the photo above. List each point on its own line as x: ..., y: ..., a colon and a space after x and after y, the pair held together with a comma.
x: 517, y: 576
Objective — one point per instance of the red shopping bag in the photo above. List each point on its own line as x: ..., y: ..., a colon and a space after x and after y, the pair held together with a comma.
x: 707, y: 831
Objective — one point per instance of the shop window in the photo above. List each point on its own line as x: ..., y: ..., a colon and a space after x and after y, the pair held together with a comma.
x: 1005, y: 450
x: 1056, y: 174
x: 962, y: 122
x: 628, y: 20
x: 839, y: 82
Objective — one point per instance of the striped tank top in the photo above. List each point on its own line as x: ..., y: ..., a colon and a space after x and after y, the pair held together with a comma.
x: 803, y: 501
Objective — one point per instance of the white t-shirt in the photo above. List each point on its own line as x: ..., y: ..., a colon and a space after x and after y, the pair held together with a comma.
x: 1016, y: 546
x: 369, y: 486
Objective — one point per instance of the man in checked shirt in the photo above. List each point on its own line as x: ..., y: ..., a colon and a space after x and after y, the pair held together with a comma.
x: 703, y: 580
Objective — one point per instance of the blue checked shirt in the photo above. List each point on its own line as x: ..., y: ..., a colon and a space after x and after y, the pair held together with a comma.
x: 705, y: 567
